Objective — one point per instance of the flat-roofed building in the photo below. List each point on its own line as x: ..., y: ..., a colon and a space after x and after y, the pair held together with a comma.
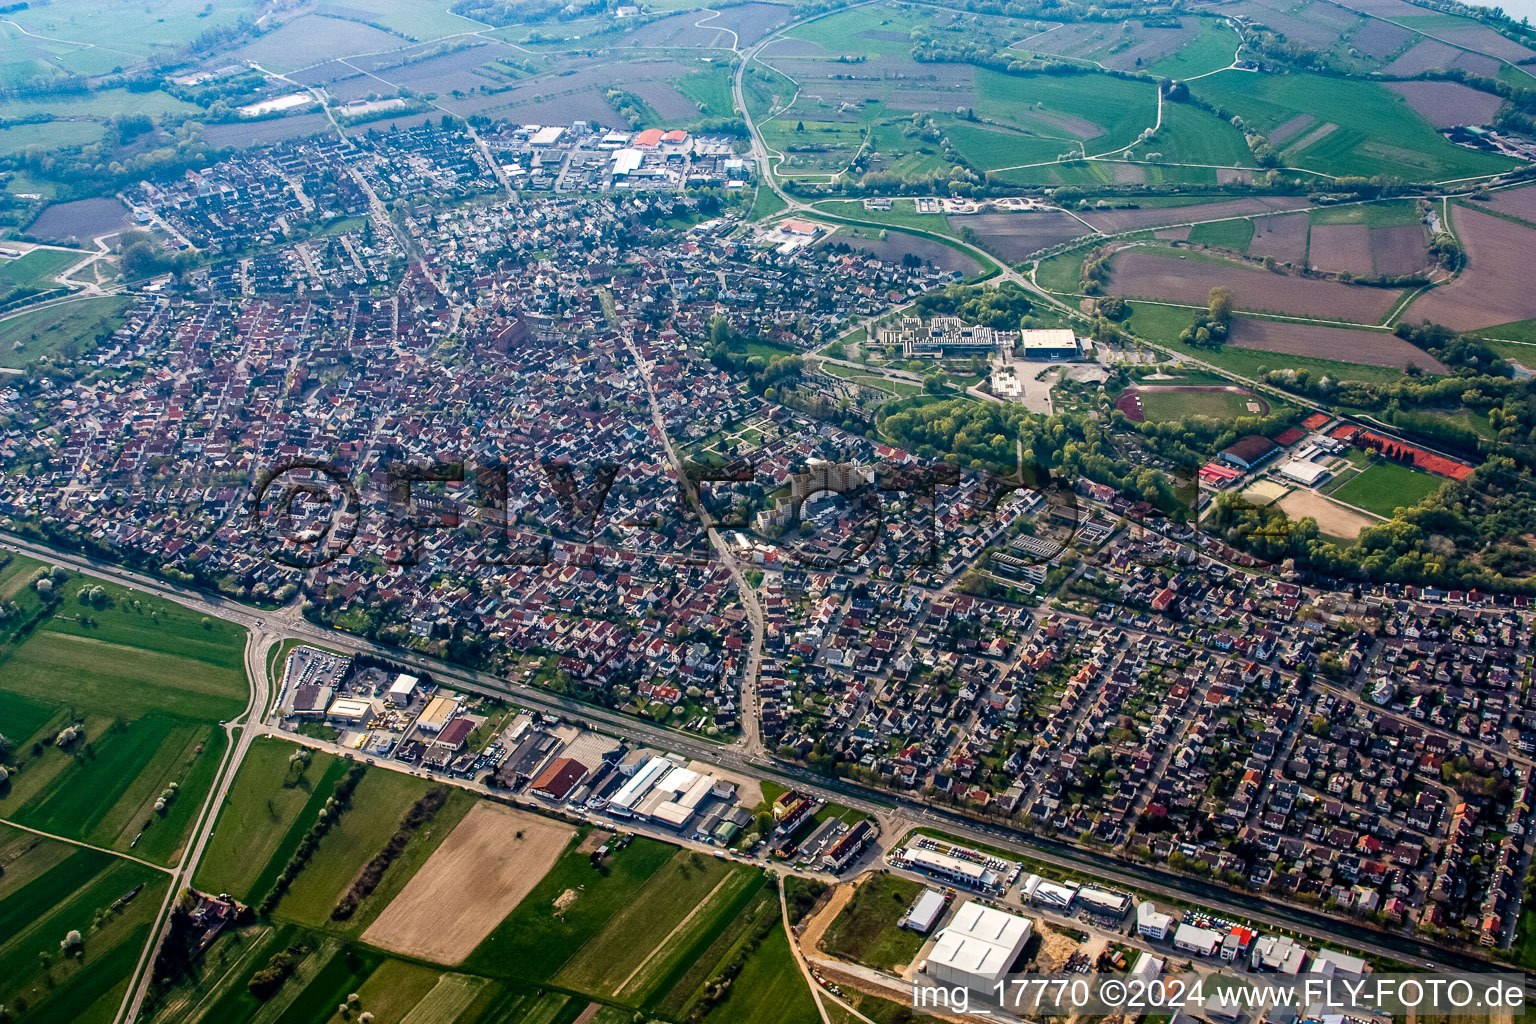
x: 1151, y: 923
x: 1050, y: 344
x: 1189, y: 938
x: 623, y: 802
x: 977, y: 947
x: 952, y: 869
x: 350, y: 710
x: 436, y: 714
x: 946, y: 336
x: 924, y: 912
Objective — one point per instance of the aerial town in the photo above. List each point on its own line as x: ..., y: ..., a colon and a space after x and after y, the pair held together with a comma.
x: 772, y: 513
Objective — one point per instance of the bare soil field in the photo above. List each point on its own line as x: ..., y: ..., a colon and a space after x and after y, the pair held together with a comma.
x: 1289, y: 129
x: 1337, y: 247
x: 1485, y: 40
x: 751, y: 21
x: 81, y: 219
x: 1234, y: 175
x: 664, y: 98
x: 815, y: 927
x: 1372, y: 348
x: 1447, y: 104
x: 1283, y: 236
x: 1493, y: 289
x: 482, y: 856
x: 1173, y: 234
x: 1380, y: 39
x: 1303, y: 29
x: 1055, y: 948
x: 1517, y: 202
x: 1128, y: 174
x: 1140, y: 274
x: 1425, y: 56
x: 1015, y: 235
x: 1332, y: 518
x: 1399, y: 249
x: 1479, y: 64
x: 897, y: 244
x: 1113, y: 221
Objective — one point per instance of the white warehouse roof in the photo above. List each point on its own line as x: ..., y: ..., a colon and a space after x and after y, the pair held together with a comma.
x: 978, y: 946
x: 1308, y: 473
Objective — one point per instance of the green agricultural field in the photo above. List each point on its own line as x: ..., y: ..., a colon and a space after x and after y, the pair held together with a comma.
x: 1106, y: 113
x: 1212, y: 49
x: 71, y: 328
x: 988, y: 147
x: 1228, y: 234
x: 51, y: 888
x: 639, y: 945
x: 710, y: 88
x: 98, y: 104
x: 1375, y: 130
x: 50, y: 135
x: 864, y: 30
x: 126, y: 28
x: 866, y: 931
x: 106, y: 792
x: 1190, y: 135
x: 145, y: 681
x: 360, y: 832
x: 769, y: 990
x: 1386, y: 486
x: 534, y: 942
x: 1062, y: 273
x: 1375, y: 215
x: 268, y: 800
x: 758, y: 914
x: 35, y: 272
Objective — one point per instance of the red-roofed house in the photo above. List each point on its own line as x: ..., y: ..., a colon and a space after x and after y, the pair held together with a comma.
x: 558, y: 778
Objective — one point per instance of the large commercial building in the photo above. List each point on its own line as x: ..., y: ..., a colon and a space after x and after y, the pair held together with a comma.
x: 946, y: 336
x: 1051, y: 344
x: 977, y: 948
x: 951, y: 869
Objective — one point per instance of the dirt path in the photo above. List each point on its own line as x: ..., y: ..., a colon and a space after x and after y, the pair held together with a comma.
x: 816, y: 927
x: 680, y: 926
x: 800, y: 962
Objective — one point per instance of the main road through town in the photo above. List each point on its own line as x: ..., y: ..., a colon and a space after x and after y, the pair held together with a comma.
x: 268, y: 627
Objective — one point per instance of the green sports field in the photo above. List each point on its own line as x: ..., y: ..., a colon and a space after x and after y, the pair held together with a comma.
x: 1159, y: 404
x: 1385, y: 486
